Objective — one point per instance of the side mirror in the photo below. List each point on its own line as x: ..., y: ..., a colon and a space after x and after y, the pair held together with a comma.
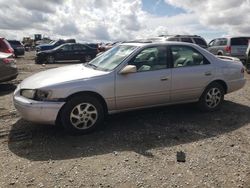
x: 128, y: 69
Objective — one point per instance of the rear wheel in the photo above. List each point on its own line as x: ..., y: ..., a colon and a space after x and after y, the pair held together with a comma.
x: 212, y: 97
x: 82, y: 114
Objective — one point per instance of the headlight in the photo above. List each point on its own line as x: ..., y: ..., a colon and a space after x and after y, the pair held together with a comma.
x: 42, y: 95
x: 38, y: 95
x: 28, y: 93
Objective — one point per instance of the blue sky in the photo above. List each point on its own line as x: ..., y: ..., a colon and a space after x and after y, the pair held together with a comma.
x: 161, y: 8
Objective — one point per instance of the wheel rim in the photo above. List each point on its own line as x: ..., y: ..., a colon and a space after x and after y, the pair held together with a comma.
x: 50, y: 59
x: 83, y: 116
x: 213, y: 97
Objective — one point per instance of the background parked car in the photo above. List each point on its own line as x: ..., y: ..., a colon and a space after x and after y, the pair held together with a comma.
x: 248, y: 58
x: 230, y: 46
x: 182, y: 38
x: 18, y: 47
x: 8, y: 70
x: 54, y: 44
x: 67, y: 53
x: 5, y: 46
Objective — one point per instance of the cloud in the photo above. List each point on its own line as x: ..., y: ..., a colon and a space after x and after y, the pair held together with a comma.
x: 229, y: 15
x: 97, y: 20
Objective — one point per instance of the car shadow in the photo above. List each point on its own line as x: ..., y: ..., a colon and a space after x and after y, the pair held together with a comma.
x: 7, y: 88
x: 138, y: 131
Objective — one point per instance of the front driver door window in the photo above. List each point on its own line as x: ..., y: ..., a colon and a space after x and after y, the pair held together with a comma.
x: 151, y: 59
x: 150, y: 85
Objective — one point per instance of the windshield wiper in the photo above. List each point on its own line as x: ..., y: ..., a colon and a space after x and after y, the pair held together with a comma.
x: 92, y: 65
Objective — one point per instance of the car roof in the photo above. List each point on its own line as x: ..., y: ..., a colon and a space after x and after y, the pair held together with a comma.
x: 150, y: 43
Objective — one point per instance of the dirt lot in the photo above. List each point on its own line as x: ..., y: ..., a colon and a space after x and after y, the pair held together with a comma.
x: 135, y: 149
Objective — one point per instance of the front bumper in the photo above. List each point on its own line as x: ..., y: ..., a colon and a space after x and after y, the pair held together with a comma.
x: 37, y: 111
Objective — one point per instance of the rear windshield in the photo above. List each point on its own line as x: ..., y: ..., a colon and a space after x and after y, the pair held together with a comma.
x: 14, y: 42
x: 200, y: 41
x: 240, y: 41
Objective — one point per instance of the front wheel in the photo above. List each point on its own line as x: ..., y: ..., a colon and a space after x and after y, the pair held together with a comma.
x: 212, y: 97
x: 50, y: 59
x: 82, y: 114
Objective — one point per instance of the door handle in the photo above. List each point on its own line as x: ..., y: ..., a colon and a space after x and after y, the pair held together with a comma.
x: 164, y: 78
x: 208, y: 73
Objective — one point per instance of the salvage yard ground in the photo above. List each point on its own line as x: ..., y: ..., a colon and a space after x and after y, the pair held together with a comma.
x: 134, y: 149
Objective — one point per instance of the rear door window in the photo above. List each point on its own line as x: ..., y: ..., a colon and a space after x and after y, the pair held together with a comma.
x: 173, y: 39
x: 240, y: 41
x: 184, y: 56
x: 189, y: 40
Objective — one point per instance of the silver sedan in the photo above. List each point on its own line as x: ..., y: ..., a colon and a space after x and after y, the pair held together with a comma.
x: 129, y: 76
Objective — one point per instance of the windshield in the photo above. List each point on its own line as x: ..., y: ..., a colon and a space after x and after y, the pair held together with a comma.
x: 60, y: 46
x: 111, y: 58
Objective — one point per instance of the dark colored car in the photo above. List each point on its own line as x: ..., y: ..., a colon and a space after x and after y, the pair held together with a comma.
x: 181, y: 38
x: 8, y: 70
x: 53, y: 44
x: 248, y: 58
x: 5, y: 46
x: 70, y: 52
x: 18, y: 47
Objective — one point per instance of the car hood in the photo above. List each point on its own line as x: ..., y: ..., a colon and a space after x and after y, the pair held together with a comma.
x: 60, y: 75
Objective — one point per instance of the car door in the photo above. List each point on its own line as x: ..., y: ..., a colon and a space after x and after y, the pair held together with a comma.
x: 64, y: 53
x: 191, y: 73
x: 78, y: 52
x: 150, y: 85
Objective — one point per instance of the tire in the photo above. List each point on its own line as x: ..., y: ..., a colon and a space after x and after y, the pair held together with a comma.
x: 212, y: 97
x: 50, y: 59
x: 82, y: 114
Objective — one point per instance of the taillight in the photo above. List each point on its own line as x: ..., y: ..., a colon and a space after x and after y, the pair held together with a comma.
x: 242, y: 70
x: 9, y: 50
x: 228, y: 49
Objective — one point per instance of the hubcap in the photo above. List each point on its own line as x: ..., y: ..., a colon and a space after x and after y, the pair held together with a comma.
x: 83, y: 116
x: 213, y: 97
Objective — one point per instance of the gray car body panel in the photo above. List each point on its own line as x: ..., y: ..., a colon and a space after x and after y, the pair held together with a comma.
x: 236, y: 50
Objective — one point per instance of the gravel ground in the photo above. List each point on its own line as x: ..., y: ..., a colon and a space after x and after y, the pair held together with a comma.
x: 134, y: 149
